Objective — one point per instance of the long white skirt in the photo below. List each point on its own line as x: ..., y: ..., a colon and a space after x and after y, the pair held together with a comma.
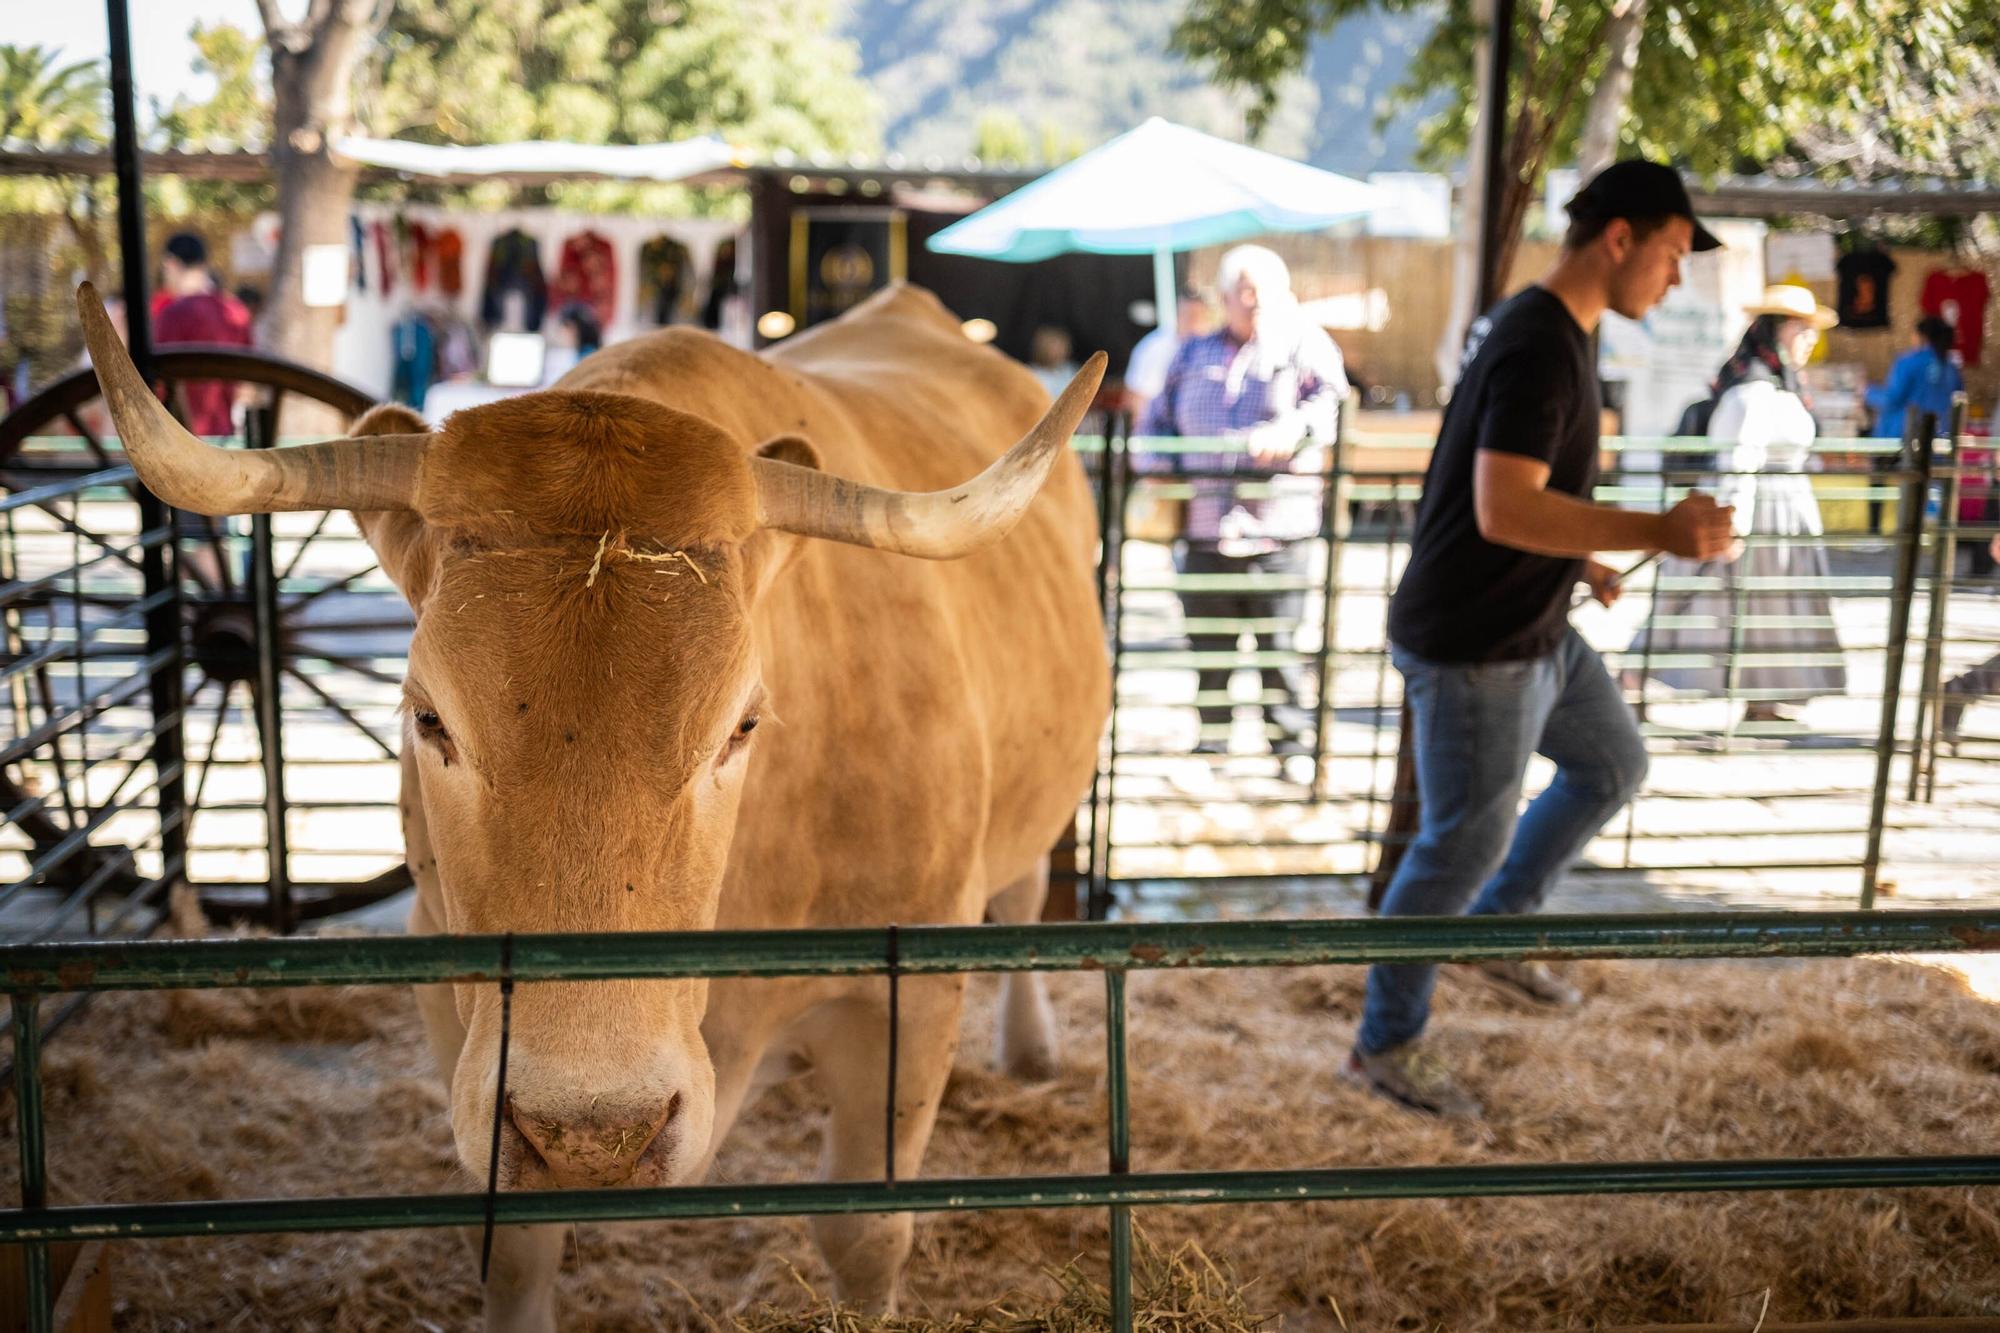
x: 1768, y: 611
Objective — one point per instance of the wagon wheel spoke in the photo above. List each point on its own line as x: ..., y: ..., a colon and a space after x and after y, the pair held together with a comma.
x: 47, y: 692
x: 291, y: 566
x: 208, y: 759
x: 358, y: 666
x: 342, y: 709
x: 340, y: 584
x: 106, y: 544
x: 384, y: 625
x: 90, y: 439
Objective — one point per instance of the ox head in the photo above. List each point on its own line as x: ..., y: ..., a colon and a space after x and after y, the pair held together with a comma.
x: 584, y: 694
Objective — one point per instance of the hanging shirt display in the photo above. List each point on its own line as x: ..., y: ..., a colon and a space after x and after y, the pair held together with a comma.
x: 721, y: 285
x: 1958, y: 296
x: 1863, y: 302
x: 587, y: 272
x: 666, y: 281
x: 385, y: 259
x: 450, y: 248
x: 415, y: 360
x: 514, y: 267
x: 359, y: 239
x: 417, y: 254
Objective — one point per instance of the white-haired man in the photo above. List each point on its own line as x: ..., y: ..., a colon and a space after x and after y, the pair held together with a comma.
x: 1271, y: 383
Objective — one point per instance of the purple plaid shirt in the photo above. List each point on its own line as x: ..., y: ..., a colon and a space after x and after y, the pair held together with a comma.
x: 1218, y: 387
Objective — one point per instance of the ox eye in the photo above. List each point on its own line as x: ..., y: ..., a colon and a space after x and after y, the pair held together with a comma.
x: 429, y: 725
x: 739, y: 737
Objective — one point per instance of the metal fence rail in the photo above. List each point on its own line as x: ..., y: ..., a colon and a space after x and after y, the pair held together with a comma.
x: 28, y: 973
x: 1901, y: 639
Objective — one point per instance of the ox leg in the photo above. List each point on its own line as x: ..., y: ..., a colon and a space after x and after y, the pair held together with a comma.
x: 847, y: 1044
x: 521, y: 1283
x: 737, y: 1031
x: 1024, y: 1034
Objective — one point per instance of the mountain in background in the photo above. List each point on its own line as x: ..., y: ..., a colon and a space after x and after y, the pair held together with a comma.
x: 1080, y: 71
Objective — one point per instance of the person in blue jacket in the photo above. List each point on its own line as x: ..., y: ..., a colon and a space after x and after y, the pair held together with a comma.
x: 1922, y: 380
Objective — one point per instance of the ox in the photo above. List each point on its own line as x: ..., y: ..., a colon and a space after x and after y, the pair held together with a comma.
x: 642, y: 697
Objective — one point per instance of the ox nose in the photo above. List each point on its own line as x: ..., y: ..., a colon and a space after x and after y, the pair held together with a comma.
x: 598, y: 1144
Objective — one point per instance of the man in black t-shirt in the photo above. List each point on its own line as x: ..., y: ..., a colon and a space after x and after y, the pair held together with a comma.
x: 1479, y: 627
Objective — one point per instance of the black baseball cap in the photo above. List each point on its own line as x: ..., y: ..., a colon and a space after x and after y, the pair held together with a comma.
x: 187, y: 247
x: 1636, y: 188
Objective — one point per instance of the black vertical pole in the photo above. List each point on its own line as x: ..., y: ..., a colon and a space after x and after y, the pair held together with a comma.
x: 1915, y: 470
x: 261, y: 429
x: 1492, y: 146
x: 160, y: 566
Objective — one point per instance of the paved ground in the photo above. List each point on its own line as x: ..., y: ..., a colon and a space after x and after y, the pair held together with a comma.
x: 1727, y: 820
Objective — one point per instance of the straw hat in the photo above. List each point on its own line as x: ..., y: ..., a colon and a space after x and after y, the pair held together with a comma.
x: 1792, y: 301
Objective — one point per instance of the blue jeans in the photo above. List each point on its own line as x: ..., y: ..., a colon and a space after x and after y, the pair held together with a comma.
x: 1475, y: 727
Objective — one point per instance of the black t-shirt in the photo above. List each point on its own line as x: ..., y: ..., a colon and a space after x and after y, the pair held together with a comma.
x: 1527, y: 386
x: 1863, y: 301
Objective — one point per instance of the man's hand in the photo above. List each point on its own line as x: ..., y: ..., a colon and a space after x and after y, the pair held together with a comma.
x: 1603, y: 582
x: 1273, y: 442
x: 1699, y: 529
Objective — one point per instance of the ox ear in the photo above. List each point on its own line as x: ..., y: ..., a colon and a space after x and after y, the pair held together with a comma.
x: 399, y: 538
x: 770, y: 550
x: 793, y: 449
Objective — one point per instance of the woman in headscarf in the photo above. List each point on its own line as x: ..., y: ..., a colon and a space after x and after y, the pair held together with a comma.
x: 1776, y: 646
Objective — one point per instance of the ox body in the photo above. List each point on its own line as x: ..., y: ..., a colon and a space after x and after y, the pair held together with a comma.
x: 713, y: 640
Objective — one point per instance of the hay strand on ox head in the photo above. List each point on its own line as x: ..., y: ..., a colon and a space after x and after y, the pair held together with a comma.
x: 604, y: 548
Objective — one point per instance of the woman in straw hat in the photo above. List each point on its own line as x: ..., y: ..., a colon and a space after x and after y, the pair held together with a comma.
x: 1776, y: 645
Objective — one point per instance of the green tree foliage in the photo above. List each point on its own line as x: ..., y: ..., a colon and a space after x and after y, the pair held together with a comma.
x: 1888, y: 87
x: 48, y: 106
x: 235, y: 118
x: 767, y: 75
x: 1845, y: 90
x: 1000, y: 139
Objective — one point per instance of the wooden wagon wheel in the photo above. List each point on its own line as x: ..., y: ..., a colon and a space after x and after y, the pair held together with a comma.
x: 326, y: 629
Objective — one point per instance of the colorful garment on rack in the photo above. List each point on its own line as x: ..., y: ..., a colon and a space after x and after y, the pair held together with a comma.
x: 385, y: 259
x: 1863, y: 299
x: 587, y: 272
x: 721, y: 285
x: 1958, y: 296
x: 414, y: 358
x: 666, y: 281
x: 514, y: 266
x: 450, y: 247
x: 417, y: 255
x: 358, y: 239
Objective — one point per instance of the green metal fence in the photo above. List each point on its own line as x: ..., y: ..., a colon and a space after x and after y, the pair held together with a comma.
x: 28, y: 973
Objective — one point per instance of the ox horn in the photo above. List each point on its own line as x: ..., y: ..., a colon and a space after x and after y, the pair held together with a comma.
x: 366, y: 472
x: 937, y: 525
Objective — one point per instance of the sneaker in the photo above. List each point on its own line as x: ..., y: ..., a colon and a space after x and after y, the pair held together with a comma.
x: 1413, y: 1077
x: 1534, y: 982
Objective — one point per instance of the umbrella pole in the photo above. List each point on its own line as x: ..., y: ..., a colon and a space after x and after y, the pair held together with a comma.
x: 1164, y: 296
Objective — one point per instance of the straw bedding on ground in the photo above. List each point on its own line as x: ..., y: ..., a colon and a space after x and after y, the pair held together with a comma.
x: 209, y: 1095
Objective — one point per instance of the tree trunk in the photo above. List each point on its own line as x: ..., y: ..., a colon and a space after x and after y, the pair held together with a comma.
x: 1606, y: 114
x: 1465, y: 254
x: 313, y: 63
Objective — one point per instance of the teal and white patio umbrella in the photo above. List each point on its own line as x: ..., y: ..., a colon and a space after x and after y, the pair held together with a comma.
x: 1156, y: 190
